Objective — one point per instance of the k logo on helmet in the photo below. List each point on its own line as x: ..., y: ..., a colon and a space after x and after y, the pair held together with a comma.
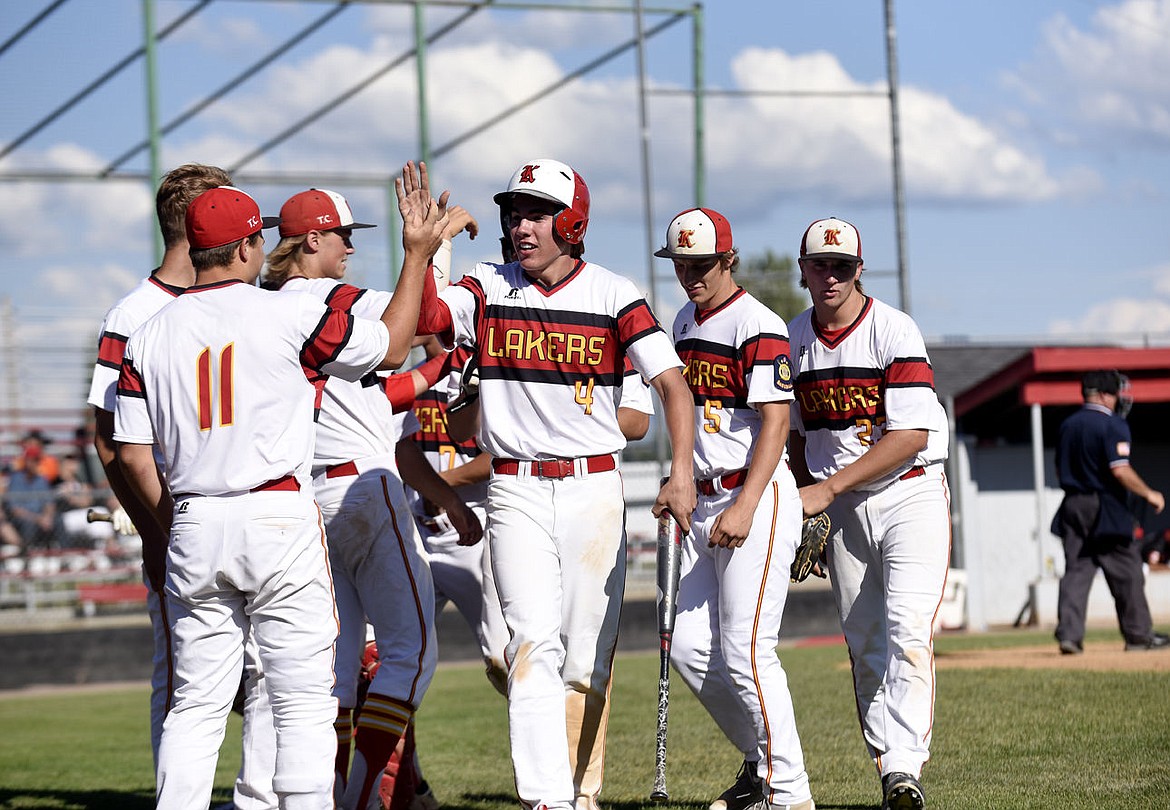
x: 527, y: 173
x: 686, y: 238
x: 832, y: 236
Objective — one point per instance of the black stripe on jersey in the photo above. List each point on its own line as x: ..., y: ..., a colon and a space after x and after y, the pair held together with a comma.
x: 724, y: 401
x: 697, y: 345
x: 344, y: 296
x: 643, y: 321
x: 548, y: 317
x: 910, y: 372
x: 550, y: 376
x: 842, y: 373
x: 309, y: 358
x: 111, y: 349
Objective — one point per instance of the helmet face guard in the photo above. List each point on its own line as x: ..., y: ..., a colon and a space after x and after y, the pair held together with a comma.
x: 1124, y: 396
x: 557, y: 182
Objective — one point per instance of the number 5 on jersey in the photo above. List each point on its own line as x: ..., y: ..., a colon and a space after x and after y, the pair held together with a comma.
x: 205, y: 386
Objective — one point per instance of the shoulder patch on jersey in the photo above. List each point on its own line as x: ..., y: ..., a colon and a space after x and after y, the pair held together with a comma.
x: 1123, y: 449
x: 783, y: 373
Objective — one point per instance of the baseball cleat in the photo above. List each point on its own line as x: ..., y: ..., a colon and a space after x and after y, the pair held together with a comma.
x: 902, y: 792
x: 1070, y: 648
x: 746, y: 791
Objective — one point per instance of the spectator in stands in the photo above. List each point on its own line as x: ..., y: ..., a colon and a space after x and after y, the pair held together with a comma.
x: 11, y: 543
x: 33, y: 456
x: 75, y: 496
x: 31, y: 506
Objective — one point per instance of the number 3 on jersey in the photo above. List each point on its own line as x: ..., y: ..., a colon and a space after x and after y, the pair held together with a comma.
x: 584, y: 395
x: 205, y: 386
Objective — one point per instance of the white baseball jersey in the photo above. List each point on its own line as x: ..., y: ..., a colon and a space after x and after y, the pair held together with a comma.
x: 130, y: 312
x: 552, y: 360
x: 133, y: 310
x: 636, y: 391
x: 221, y: 357
x: 855, y: 384
x: 355, y: 421
x: 736, y: 356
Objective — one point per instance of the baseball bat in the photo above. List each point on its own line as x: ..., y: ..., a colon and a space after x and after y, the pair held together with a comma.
x: 669, y: 560
x: 97, y: 516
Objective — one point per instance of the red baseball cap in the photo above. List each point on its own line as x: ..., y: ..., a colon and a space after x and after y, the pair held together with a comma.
x: 317, y: 209
x: 697, y: 233
x: 220, y: 216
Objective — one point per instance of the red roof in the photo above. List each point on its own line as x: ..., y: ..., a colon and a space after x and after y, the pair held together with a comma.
x: 1052, y: 376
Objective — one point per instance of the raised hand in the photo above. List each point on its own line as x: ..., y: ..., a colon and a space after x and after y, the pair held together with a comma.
x: 423, y: 219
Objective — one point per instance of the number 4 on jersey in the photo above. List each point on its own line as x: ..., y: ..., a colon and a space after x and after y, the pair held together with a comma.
x: 584, y: 395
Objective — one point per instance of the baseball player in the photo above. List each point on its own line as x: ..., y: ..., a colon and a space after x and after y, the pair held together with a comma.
x: 165, y: 283
x: 378, y: 565
x: 551, y: 331
x: 224, y: 377
x: 735, y: 563
x: 870, y: 451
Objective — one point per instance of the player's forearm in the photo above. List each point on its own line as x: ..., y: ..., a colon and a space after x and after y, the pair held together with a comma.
x: 890, y: 452
x: 402, y: 313
x: 418, y: 474
x: 678, y: 407
x: 767, y: 452
x: 141, y: 515
x: 477, y: 470
x: 1128, y: 477
x: 146, y: 486
x: 797, y: 461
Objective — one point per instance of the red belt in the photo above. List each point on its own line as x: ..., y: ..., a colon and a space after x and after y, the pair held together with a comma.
x: 284, y: 483
x: 913, y: 472
x: 341, y: 470
x: 731, y: 480
x: 556, y: 468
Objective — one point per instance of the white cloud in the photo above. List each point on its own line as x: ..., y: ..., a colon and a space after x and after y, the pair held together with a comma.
x: 1126, y: 316
x: 840, y: 144
x: 1108, y: 79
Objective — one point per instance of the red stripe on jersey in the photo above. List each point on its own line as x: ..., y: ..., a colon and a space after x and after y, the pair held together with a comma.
x: 635, y: 321
x: 430, y: 408
x: 910, y: 372
x: 343, y: 297
x: 554, y: 343
x: 129, y: 381
x: 111, y: 349
x: 849, y: 394
x: 763, y: 349
x: 203, y: 388
x: 328, y: 339
x: 226, y: 384
x: 711, y: 373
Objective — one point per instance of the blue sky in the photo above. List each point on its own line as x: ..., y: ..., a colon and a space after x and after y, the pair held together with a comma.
x: 1036, y: 141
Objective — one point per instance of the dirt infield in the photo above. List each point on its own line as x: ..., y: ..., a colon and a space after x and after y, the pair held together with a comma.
x: 1104, y: 656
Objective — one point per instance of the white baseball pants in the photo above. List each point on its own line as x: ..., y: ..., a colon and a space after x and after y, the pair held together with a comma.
x: 559, y: 562
x: 381, y: 574
x: 462, y: 576
x: 249, y: 561
x: 730, y: 602
x: 888, y: 558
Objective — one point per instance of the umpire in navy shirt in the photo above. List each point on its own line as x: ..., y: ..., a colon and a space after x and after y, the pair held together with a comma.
x: 1092, y: 460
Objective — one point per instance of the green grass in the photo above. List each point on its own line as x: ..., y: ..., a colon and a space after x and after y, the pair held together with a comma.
x: 1004, y: 738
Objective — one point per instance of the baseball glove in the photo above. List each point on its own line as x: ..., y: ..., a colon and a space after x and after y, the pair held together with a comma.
x: 814, y: 534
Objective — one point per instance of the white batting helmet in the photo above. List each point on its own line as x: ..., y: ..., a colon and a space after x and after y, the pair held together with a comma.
x: 551, y: 180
